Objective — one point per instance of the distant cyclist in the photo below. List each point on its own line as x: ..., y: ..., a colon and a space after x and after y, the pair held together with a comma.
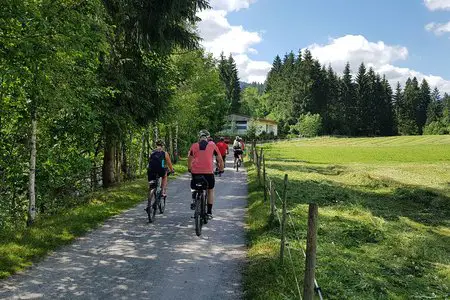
x: 223, y: 149
x: 200, y: 162
x: 158, y: 164
x: 237, y: 147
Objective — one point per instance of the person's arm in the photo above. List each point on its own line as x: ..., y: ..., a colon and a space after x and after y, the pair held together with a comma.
x: 190, y: 159
x: 169, y: 162
x: 219, y: 158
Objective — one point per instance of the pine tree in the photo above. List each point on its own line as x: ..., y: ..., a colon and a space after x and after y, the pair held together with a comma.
x: 274, y: 74
x: 348, y: 100
x: 434, y: 111
x: 388, y: 118
x: 362, y: 99
x: 422, y: 105
x: 230, y: 78
x: 397, y: 101
x: 407, y: 122
x: 235, y: 86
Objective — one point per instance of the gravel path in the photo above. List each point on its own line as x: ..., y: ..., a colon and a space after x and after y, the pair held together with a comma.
x: 127, y: 258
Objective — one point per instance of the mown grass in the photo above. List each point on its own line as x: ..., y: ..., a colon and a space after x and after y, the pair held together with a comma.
x: 384, y: 218
x: 21, y: 248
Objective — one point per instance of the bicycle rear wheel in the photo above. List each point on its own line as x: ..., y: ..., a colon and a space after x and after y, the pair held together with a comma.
x: 151, y: 210
x: 238, y: 164
x: 198, y: 214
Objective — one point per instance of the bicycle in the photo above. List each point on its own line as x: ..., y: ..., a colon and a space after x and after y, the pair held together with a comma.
x: 238, y: 161
x: 201, y: 196
x: 155, y: 199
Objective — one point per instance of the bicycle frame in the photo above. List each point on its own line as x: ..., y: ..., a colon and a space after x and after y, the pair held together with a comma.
x: 154, y: 193
x: 201, y: 201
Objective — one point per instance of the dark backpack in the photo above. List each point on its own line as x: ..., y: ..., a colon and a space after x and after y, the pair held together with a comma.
x: 156, y: 161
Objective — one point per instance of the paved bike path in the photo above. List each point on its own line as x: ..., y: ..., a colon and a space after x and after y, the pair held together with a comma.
x: 127, y: 258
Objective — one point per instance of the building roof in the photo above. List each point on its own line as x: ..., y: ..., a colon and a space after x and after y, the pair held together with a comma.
x: 249, y: 117
x: 267, y: 121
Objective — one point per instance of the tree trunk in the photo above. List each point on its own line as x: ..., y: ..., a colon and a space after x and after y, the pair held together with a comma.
x: 172, y: 152
x: 130, y: 167
x: 124, y: 161
x: 142, y: 153
x: 118, y: 162
x: 156, y: 133
x: 175, y: 156
x: 108, y: 162
x: 32, y: 178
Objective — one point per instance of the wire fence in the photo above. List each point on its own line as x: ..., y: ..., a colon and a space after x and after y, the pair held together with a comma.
x: 276, y: 198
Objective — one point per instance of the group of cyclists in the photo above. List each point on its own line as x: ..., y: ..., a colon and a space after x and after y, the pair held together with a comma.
x: 200, y: 162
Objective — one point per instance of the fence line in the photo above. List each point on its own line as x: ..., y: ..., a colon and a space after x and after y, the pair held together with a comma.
x: 273, y: 195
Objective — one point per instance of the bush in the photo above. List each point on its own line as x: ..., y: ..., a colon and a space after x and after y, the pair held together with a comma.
x: 308, y: 125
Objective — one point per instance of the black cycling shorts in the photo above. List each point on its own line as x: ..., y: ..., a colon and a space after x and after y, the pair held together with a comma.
x: 210, y: 180
x: 238, y: 152
x: 152, y: 175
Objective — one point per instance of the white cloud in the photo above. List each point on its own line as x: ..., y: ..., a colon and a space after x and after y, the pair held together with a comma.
x: 230, y: 5
x: 438, y: 28
x: 437, y: 4
x: 252, y: 70
x: 356, y: 49
x: 236, y: 41
x: 220, y: 36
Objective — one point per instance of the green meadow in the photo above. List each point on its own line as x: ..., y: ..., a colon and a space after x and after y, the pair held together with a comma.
x: 384, y: 218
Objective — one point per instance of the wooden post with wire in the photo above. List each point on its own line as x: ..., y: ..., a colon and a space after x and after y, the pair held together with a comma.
x: 259, y: 165
x: 311, y: 245
x: 272, y: 199
x: 283, y: 221
x: 264, y: 178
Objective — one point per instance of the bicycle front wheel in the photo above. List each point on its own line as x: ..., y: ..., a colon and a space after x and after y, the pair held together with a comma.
x: 162, y: 204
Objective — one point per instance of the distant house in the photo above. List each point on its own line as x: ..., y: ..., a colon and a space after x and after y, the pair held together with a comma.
x: 239, y: 124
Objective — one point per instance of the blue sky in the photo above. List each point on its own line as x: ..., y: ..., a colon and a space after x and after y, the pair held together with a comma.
x: 400, y: 38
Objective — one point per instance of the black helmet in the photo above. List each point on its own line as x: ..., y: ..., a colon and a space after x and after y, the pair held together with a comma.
x: 222, y: 139
x: 159, y: 143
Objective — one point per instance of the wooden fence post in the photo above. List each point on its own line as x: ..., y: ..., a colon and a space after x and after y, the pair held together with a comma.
x: 264, y: 178
x: 257, y: 167
x: 310, y: 261
x: 272, y: 199
x: 283, y: 221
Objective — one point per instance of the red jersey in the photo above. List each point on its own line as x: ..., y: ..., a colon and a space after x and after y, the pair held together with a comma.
x: 203, y: 152
x: 223, y: 147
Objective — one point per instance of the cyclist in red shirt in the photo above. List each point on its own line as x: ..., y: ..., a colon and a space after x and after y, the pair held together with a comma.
x: 200, y: 163
x: 223, y: 149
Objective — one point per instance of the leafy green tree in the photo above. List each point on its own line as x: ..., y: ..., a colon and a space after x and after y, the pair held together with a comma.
x: 309, y: 125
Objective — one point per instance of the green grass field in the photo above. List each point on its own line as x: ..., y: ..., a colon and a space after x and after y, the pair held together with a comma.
x: 384, y: 218
x: 20, y: 248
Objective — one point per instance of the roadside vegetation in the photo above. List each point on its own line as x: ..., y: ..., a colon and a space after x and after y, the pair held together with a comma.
x: 384, y: 218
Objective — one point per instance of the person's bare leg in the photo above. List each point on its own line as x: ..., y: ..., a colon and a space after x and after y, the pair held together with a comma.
x: 164, y: 185
x: 210, y: 200
x: 210, y: 196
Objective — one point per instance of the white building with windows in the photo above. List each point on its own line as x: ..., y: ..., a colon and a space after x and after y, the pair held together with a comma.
x: 239, y: 124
